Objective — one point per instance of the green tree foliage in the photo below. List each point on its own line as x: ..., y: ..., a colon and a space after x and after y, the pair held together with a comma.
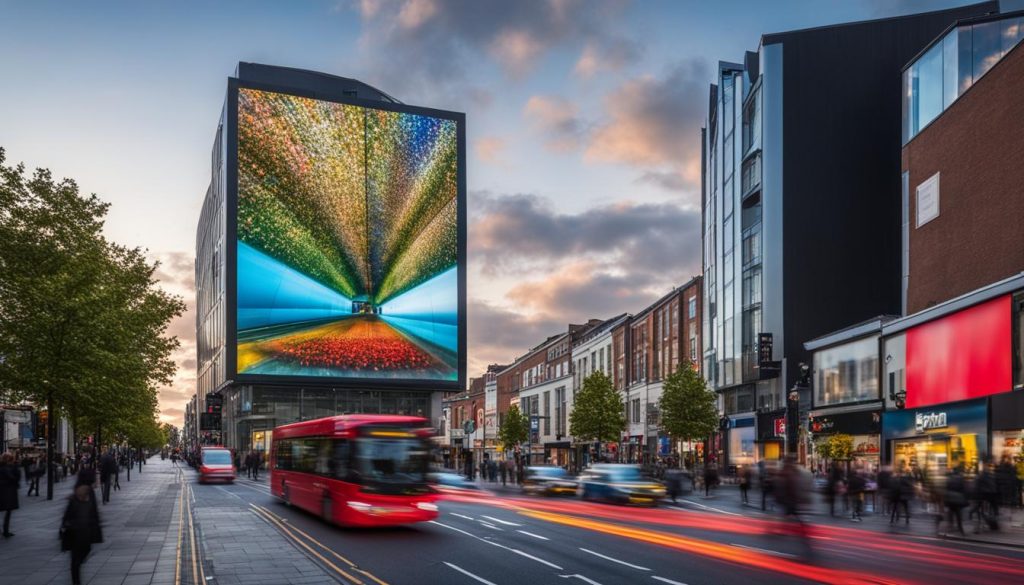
x: 515, y: 429
x: 688, y: 408
x: 838, y: 447
x: 597, y: 413
x: 82, y: 322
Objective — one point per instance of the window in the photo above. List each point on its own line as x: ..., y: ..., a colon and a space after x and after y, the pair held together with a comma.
x: 636, y: 410
x: 691, y: 308
x: 693, y: 349
x: 846, y: 373
x: 547, y: 412
x: 600, y: 354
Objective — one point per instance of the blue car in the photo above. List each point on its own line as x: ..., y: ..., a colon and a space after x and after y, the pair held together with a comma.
x: 621, y: 484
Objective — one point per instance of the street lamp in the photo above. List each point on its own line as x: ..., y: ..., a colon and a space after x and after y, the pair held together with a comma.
x: 793, y: 409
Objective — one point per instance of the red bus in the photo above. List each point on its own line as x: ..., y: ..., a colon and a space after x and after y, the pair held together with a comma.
x: 355, y: 469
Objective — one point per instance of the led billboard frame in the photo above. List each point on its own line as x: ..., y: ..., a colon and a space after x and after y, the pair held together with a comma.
x: 389, y: 313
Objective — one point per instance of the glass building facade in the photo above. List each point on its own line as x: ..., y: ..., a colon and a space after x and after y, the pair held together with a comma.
x: 951, y: 65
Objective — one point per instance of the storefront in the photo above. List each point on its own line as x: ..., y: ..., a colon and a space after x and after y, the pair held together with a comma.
x: 863, y: 426
x: 1008, y: 426
x: 771, y: 435
x: 937, y: 438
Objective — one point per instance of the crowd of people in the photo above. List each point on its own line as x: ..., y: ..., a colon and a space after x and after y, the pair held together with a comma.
x: 80, y: 526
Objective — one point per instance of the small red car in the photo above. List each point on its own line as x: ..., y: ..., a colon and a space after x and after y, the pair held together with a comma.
x: 215, y: 465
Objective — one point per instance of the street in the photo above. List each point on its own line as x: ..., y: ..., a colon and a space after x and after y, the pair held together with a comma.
x: 505, y: 540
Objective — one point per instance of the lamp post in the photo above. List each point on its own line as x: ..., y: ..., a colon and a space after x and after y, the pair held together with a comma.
x: 793, y: 409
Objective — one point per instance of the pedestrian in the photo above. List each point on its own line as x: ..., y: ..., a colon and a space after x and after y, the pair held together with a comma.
x: 673, y: 483
x: 987, y: 497
x: 791, y: 492
x: 35, y: 471
x: 901, y: 489
x: 710, y: 479
x: 955, y: 499
x: 833, y: 487
x: 1006, y: 476
x: 766, y: 480
x: 855, y: 491
x: 746, y: 476
x: 117, y: 474
x: 80, y: 528
x: 64, y: 467
x: 108, y: 467
x: 504, y: 473
x: 255, y: 465
x: 10, y: 478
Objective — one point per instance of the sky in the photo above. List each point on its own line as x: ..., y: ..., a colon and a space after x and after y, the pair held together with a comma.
x: 583, y: 127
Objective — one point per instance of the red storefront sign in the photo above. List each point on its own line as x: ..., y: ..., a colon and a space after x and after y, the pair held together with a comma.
x: 780, y: 427
x: 961, y: 356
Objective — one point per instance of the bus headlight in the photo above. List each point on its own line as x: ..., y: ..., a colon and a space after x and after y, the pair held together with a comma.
x: 427, y: 506
x: 360, y: 506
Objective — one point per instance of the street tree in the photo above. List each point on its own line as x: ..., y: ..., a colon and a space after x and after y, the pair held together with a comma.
x: 82, y: 322
x: 689, y: 409
x: 515, y: 429
x: 597, y: 414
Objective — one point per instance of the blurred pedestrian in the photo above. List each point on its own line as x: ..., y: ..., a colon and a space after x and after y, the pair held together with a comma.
x: 710, y: 479
x: 80, y: 528
x: 792, y: 488
x: 35, y: 471
x: 765, y: 479
x: 1006, y: 476
x: 674, y: 483
x: 955, y: 499
x: 10, y: 478
x: 986, y: 497
x: 855, y: 489
x: 833, y: 487
x: 108, y: 467
x: 504, y: 473
x: 746, y: 476
x: 255, y: 465
x: 901, y: 491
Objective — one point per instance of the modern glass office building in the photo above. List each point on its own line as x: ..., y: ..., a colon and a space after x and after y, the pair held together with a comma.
x: 801, y: 200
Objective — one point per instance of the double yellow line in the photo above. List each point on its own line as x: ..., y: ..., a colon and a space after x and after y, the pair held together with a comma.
x: 305, y: 541
x: 185, y: 514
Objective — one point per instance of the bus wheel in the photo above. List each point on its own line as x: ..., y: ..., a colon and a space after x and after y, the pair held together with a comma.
x: 327, y: 508
x: 284, y: 494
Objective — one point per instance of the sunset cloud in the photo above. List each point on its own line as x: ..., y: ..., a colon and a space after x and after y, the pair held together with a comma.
x: 612, y: 54
x: 557, y: 119
x: 489, y: 149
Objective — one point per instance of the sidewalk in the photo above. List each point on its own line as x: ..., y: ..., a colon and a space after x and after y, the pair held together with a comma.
x: 139, y: 546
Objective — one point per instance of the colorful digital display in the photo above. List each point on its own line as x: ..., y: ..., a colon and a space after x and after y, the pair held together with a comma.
x: 347, y: 251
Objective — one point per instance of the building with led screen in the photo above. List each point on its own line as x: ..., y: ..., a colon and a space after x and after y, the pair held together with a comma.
x: 329, y: 255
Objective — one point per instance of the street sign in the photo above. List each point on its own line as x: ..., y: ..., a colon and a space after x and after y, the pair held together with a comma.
x: 765, y: 346
x: 469, y: 426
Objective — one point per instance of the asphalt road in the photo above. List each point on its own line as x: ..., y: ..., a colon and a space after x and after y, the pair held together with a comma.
x: 532, y: 541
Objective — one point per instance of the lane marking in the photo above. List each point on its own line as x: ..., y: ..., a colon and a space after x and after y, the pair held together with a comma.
x: 468, y: 574
x: 669, y: 581
x: 500, y: 521
x: 581, y: 578
x: 228, y: 492
x: 181, y: 505
x: 288, y: 534
x: 533, y: 535
x: 492, y: 543
x: 491, y: 526
x: 699, y: 505
x: 326, y: 548
x: 463, y: 516
x: 192, y: 538
x: 764, y: 550
x: 607, y: 558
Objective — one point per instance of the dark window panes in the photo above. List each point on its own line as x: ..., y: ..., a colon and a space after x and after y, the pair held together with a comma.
x: 988, y: 47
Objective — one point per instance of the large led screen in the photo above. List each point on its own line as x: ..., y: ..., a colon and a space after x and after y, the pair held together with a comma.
x: 347, y: 251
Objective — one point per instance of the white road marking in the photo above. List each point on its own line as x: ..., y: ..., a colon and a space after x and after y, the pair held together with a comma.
x: 489, y: 525
x: 533, y: 535
x: 764, y: 550
x: 508, y: 548
x: 468, y: 574
x: 704, y: 507
x: 607, y: 558
x: 669, y: 581
x: 500, y: 521
x: 462, y: 516
x: 581, y: 578
x: 232, y: 494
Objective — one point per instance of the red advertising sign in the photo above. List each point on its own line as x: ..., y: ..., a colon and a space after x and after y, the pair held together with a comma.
x: 780, y: 427
x: 961, y: 356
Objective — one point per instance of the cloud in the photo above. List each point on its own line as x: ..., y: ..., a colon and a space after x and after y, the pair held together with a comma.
x: 613, y: 54
x: 426, y: 47
x: 489, y: 149
x: 513, y: 231
x: 583, y: 290
x: 499, y: 335
x: 654, y: 123
x: 558, y: 120
x: 176, y: 275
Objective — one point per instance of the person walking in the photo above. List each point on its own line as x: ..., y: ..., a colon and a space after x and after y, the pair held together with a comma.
x: 117, y: 473
x: 10, y: 478
x: 255, y: 465
x: 792, y: 491
x: 833, y: 487
x: 955, y: 499
x: 504, y: 473
x: 746, y: 476
x: 901, y: 489
x: 710, y: 479
x: 855, y: 490
x: 108, y: 467
x: 80, y: 528
x: 674, y: 483
x: 35, y: 471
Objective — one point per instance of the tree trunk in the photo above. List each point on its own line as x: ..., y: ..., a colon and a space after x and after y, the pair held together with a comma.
x: 50, y: 423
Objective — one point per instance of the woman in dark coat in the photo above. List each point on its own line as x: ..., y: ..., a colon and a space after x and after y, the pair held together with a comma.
x: 81, y: 526
x: 10, y: 476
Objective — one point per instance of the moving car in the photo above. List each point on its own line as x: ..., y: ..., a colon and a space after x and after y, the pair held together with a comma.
x: 451, y: 483
x: 215, y: 465
x: 619, y: 483
x: 548, y: 481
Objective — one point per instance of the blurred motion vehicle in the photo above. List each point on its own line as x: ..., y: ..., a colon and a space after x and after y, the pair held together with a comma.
x: 619, y: 483
x: 451, y: 483
x: 355, y: 470
x: 215, y: 465
x: 548, y: 481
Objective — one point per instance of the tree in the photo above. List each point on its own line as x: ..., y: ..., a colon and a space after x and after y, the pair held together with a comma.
x: 838, y: 447
x: 82, y: 323
x: 689, y: 410
x: 515, y: 429
x: 597, y: 413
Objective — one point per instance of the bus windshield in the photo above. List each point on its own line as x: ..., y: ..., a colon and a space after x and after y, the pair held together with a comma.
x: 216, y: 457
x: 390, y: 462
